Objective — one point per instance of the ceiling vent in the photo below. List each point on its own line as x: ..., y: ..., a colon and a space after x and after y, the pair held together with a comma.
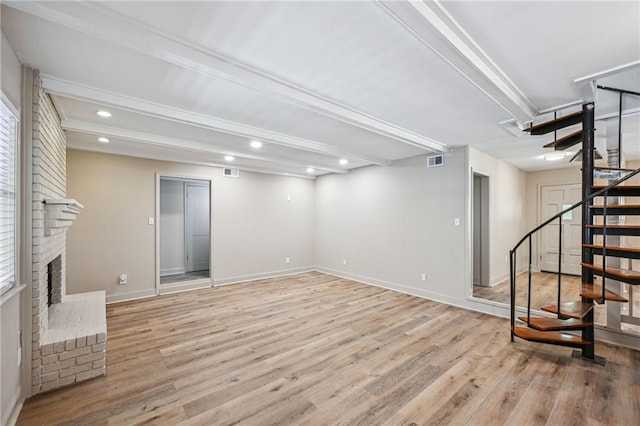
x: 435, y: 161
x: 234, y: 173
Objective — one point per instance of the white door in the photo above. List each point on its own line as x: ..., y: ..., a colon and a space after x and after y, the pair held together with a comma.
x: 197, y: 227
x: 554, y: 199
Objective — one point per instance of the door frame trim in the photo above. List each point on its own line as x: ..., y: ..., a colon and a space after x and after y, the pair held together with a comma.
x: 158, y: 176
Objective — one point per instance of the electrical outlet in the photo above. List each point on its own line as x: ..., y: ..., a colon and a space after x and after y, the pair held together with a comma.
x: 424, y: 277
x: 344, y: 262
x: 151, y: 221
x: 456, y: 221
x: 287, y: 260
x: 122, y: 279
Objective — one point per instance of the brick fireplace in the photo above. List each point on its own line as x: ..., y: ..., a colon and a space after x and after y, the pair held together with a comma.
x: 68, y: 331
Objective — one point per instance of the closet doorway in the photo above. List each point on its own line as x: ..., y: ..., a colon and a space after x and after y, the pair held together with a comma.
x: 184, y: 233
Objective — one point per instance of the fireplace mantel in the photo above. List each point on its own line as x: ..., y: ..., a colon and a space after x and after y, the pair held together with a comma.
x: 59, y: 214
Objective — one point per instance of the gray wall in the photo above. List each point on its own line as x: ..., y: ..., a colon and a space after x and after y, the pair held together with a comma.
x: 10, y: 307
x: 254, y: 226
x: 394, y: 223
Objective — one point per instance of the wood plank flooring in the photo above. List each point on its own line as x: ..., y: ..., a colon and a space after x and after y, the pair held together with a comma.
x: 313, y: 349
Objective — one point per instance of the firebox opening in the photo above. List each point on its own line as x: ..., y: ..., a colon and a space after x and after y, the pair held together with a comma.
x: 50, y: 284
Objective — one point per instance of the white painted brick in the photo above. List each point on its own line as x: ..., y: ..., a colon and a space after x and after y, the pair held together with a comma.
x: 91, y: 340
x: 99, y: 363
x: 64, y: 381
x: 49, y: 377
x: 74, y: 370
x: 46, y: 349
x: 51, y: 385
x: 50, y: 368
x: 89, y: 358
x: 100, y: 347
x: 102, y: 337
x: 75, y: 353
x: 81, y: 342
x: 49, y: 359
x: 89, y: 374
x: 70, y: 345
x: 58, y: 347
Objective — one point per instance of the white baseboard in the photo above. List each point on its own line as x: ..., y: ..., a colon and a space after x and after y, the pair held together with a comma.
x: 185, y: 286
x: 479, y: 305
x: 16, y: 406
x: 123, y: 297
x: 261, y: 276
x: 396, y: 287
x: 172, y: 271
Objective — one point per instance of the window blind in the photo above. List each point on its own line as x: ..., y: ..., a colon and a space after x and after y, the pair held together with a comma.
x: 8, y: 133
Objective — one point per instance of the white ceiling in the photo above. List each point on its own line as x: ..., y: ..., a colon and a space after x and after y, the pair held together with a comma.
x: 371, y: 82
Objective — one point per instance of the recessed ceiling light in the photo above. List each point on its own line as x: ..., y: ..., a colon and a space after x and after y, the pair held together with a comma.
x: 554, y: 156
x: 229, y: 158
x: 256, y: 144
x: 103, y: 139
x: 310, y: 170
x: 103, y: 113
x: 343, y: 161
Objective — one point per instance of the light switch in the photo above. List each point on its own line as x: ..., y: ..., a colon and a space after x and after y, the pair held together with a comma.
x: 456, y: 221
x: 151, y: 221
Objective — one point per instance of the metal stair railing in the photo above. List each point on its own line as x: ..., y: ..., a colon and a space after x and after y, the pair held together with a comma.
x: 528, y: 236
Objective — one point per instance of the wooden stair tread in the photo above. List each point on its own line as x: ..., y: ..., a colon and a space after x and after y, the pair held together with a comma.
x: 575, y: 310
x: 632, y: 230
x: 552, y: 337
x: 613, y: 248
x: 566, y: 141
x: 594, y: 291
x: 558, y: 123
x: 598, y: 226
x: 618, y: 191
x: 618, y: 187
x: 616, y: 206
x: 621, y: 273
x: 614, y: 251
x: 622, y: 169
x: 555, y: 324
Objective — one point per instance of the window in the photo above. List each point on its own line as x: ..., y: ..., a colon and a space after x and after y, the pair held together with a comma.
x: 8, y: 138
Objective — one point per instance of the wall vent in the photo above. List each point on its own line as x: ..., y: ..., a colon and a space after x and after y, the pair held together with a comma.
x: 435, y: 161
x: 231, y: 172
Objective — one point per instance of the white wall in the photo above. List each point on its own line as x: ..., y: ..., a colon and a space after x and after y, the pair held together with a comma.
x: 171, y: 227
x: 394, y: 223
x: 254, y: 226
x: 10, y: 303
x: 507, y: 202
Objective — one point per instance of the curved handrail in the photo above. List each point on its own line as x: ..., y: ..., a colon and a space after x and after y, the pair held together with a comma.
x: 579, y: 203
x: 528, y: 235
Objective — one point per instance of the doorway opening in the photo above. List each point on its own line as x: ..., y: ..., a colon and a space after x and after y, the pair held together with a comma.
x: 480, y: 230
x: 184, y: 232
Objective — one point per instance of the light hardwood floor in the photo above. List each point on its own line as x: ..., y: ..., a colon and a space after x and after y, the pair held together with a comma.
x: 314, y: 349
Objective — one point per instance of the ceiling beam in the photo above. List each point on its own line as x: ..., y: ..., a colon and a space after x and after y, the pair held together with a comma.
x: 170, y: 142
x: 101, y: 22
x: 72, y: 90
x: 105, y: 149
x: 434, y: 27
